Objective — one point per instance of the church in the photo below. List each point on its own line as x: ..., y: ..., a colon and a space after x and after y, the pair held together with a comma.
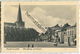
x: 19, y: 23
x: 17, y: 32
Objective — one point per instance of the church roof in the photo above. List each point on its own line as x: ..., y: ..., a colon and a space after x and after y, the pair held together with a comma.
x: 9, y: 24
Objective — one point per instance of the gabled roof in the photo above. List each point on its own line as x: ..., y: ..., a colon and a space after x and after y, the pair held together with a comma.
x: 65, y: 26
x: 56, y: 26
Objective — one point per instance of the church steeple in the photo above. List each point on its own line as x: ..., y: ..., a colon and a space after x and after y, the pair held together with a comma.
x: 19, y: 17
x: 19, y: 22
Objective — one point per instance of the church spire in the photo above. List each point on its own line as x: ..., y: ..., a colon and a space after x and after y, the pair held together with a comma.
x: 19, y: 22
x: 19, y: 17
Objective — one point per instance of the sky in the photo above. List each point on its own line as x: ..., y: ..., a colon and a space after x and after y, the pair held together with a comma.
x: 46, y: 15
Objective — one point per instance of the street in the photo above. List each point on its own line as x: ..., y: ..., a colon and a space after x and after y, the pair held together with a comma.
x: 32, y: 44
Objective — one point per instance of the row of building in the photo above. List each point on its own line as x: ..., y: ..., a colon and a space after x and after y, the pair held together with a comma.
x: 63, y: 35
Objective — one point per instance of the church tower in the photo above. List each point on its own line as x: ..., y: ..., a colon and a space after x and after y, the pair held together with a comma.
x: 19, y: 22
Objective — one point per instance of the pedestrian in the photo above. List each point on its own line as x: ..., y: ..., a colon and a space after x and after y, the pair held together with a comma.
x: 69, y: 44
x: 28, y: 45
x: 32, y: 45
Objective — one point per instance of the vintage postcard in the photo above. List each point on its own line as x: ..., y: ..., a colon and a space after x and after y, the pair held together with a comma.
x: 39, y: 27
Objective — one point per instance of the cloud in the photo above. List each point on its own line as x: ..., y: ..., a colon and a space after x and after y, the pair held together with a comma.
x: 47, y: 20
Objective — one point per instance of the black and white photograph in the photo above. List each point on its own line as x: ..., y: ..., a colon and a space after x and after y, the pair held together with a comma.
x: 45, y: 26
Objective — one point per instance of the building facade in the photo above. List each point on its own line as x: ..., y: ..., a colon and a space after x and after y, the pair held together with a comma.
x: 67, y: 35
